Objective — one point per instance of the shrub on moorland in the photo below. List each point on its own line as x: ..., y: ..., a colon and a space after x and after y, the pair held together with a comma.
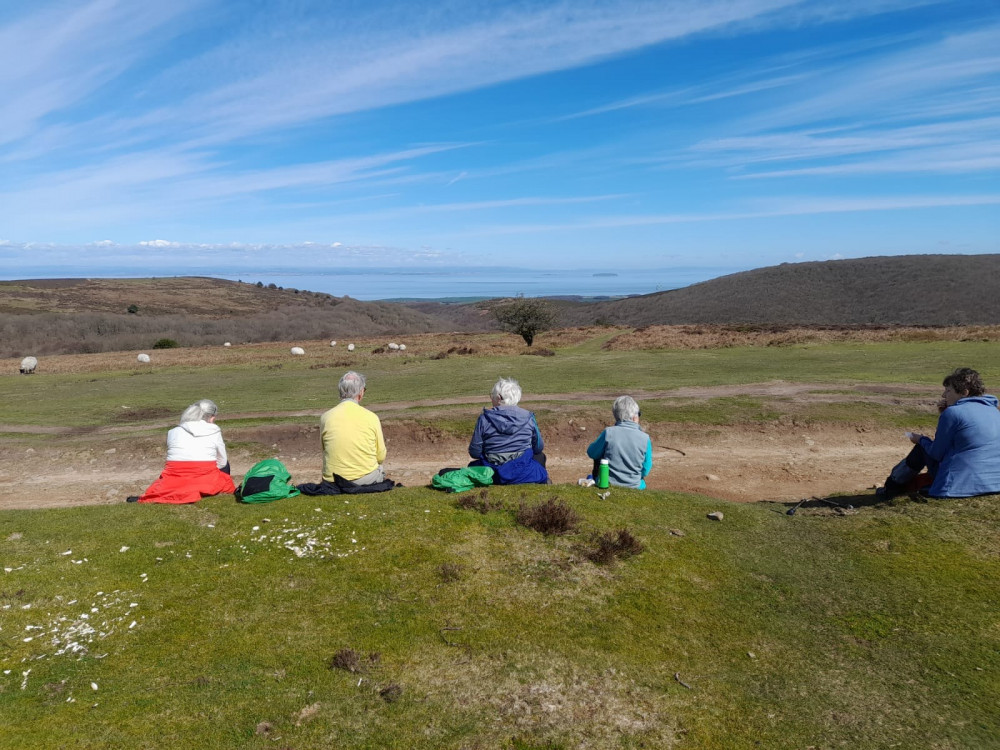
x: 609, y: 546
x: 552, y: 517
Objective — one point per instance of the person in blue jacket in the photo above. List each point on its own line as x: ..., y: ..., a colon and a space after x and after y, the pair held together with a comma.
x: 507, y: 438
x: 628, y: 449
x: 964, y: 456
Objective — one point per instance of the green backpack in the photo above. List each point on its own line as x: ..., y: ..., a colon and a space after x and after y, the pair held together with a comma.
x: 461, y: 480
x: 267, y: 481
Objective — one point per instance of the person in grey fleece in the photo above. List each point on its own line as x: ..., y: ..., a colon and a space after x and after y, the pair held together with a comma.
x: 628, y: 449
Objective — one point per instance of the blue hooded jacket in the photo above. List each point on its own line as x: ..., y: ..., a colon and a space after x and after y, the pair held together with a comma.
x: 504, y: 432
x: 966, y: 448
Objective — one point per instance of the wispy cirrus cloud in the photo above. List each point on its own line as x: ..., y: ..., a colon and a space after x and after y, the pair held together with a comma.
x: 769, y: 209
x: 53, y: 59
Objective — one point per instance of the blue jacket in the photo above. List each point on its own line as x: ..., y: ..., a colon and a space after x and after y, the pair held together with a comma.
x: 629, y: 452
x: 503, y: 432
x: 520, y: 470
x: 966, y: 447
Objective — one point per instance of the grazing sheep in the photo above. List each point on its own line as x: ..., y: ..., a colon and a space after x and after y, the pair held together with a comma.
x: 394, y: 347
x: 28, y: 365
x: 227, y: 344
x: 298, y: 350
x: 144, y: 358
x: 350, y: 347
x: 402, y: 347
x: 333, y: 343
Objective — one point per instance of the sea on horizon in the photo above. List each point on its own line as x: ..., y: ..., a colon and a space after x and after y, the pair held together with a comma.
x: 432, y: 284
x: 371, y: 284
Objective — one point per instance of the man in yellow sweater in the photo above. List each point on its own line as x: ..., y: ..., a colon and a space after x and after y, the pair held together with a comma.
x: 353, y: 446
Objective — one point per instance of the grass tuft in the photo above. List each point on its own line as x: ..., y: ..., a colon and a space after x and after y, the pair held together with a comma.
x: 479, y: 501
x: 610, y: 546
x: 347, y: 659
x: 391, y: 693
x: 552, y: 517
x: 449, y: 572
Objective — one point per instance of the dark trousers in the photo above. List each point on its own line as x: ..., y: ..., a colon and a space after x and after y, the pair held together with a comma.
x: 907, y: 470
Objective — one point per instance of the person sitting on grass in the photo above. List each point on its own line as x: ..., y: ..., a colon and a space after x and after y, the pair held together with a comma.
x: 507, y: 439
x: 197, y: 464
x: 628, y: 449
x: 963, y: 458
x: 354, y: 448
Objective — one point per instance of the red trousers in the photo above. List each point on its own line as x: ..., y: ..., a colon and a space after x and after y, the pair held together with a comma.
x: 188, y: 482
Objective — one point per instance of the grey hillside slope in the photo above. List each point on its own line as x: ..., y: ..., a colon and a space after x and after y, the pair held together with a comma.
x: 925, y: 290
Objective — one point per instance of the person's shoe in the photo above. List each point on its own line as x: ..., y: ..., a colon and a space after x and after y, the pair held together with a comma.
x: 132, y: 499
x: 889, y: 490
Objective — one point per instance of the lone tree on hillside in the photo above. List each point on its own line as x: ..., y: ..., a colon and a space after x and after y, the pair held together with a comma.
x: 525, y: 317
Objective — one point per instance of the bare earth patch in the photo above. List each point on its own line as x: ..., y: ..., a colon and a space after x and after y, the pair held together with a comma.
x: 743, y: 462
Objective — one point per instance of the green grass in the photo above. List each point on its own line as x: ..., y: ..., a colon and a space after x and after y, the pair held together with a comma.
x: 97, y: 398
x: 873, y: 630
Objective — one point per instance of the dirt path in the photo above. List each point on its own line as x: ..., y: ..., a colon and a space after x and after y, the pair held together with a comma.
x: 775, y: 461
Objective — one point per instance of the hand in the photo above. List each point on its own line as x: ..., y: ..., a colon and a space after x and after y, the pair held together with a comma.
x: 914, y: 437
x: 941, y: 405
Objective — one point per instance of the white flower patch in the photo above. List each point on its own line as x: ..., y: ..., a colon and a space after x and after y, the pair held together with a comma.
x: 306, y: 541
x: 71, y: 631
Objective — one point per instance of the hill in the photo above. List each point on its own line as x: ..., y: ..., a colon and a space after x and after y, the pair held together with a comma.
x: 61, y: 316
x: 921, y: 290
x: 64, y: 316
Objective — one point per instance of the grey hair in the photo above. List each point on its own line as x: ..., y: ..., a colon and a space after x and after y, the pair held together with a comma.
x: 351, y: 384
x: 200, y: 410
x: 507, y: 391
x: 625, y: 408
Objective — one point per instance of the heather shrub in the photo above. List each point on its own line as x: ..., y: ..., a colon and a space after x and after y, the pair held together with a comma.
x: 552, y: 517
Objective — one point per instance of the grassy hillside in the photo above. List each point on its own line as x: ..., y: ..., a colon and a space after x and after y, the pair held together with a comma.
x: 408, y: 621
x: 424, y: 620
x: 265, y: 377
x: 61, y: 316
x: 924, y: 290
x: 91, y: 315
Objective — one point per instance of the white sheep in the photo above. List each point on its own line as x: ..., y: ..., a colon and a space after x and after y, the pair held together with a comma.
x: 350, y: 347
x: 333, y: 343
x: 402, y: 347
x: 394, y: 346
x: 227, y: 344
x: 28, y: 365
x: 298, y: 351
x: 144, y: 358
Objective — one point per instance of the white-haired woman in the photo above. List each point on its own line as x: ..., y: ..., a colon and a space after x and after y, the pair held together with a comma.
x: 507, y: 438
x: 197, y: 464
x: 628, y: 449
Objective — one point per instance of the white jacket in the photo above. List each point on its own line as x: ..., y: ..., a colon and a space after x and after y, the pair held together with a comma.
x: 197, y: 441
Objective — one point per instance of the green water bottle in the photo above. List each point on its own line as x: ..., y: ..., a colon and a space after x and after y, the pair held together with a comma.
x: 602, y: 474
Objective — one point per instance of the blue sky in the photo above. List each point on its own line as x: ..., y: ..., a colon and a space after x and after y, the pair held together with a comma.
x: 202, y: 135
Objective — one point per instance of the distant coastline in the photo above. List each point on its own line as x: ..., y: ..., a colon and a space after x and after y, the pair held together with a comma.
x: 417, y: 283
